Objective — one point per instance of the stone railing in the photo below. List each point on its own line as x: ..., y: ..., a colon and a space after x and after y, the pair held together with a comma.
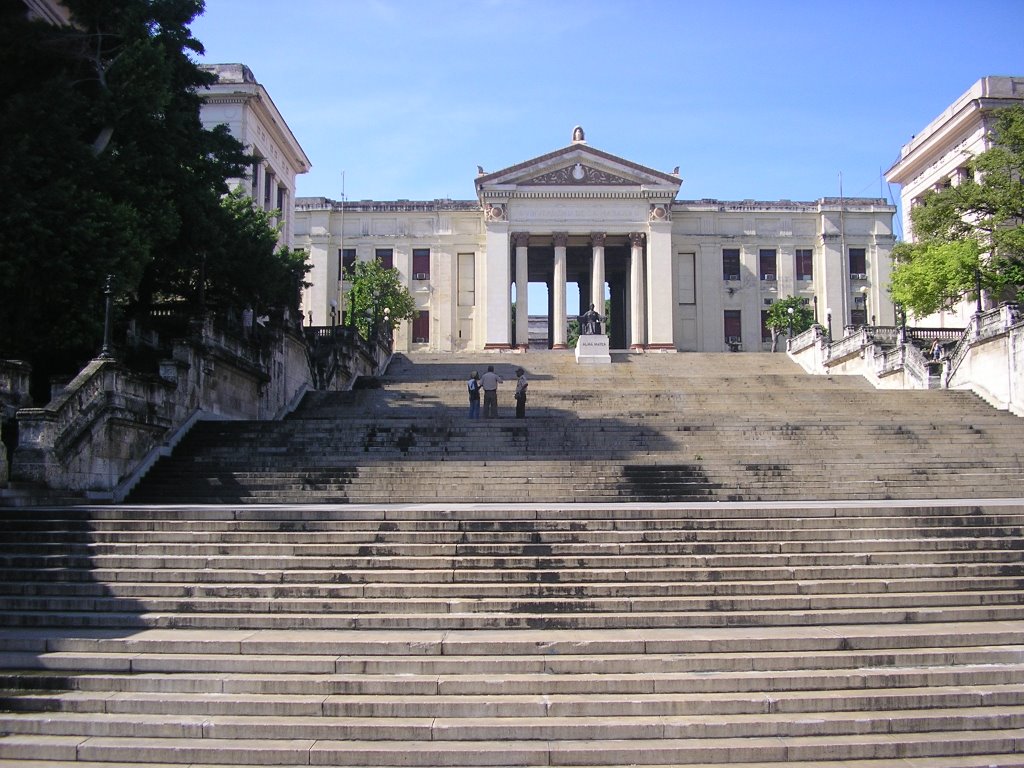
x: 984, y: 325
x: 988, y: 357
x: 109, y: 424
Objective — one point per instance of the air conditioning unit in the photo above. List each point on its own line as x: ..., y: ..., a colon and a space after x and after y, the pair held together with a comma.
x: 767, y: 277
x: 421, y: 276
x: 769, y: 302
x: 858, y: 276
x: 418, y: 340
x: 732, y: 277
x: 733, y: 340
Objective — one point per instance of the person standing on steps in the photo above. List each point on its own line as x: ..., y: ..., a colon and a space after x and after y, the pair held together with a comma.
x: 490, y: 381
x: 521, y: 385
x: 474, y: 395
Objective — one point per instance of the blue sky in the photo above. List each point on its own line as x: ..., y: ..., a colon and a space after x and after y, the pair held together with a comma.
x: 759, y: 100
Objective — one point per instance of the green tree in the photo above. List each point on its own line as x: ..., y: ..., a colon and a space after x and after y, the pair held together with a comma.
x: 109, y: 171
x: 243, y: 265
x: 781, y: 320
x: 968, y: 236
x: 375, y: 289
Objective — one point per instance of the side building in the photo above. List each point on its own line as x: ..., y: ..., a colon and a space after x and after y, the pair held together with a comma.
x: 937, y: 157
x: 681, y: 275
x: 238, y: 101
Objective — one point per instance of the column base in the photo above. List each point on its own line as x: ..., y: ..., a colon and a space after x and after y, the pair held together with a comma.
x: 497, y: 347
x: 661, y: 348
x: 559, y: 346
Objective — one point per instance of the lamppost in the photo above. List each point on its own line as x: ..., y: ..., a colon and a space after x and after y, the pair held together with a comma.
x: 107, y: 352
x: 828, y: 318
x: 334, y: 313
x: 864, y: 293
x: 789, y: 311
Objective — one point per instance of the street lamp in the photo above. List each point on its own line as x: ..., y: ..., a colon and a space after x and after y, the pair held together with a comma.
x: 789, y: 311
x: 334, y: 311
x: 107, y: 352
x: 828, y: 318
x: 864, y: 293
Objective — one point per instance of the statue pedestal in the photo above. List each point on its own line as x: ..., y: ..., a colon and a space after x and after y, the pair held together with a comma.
x: 593, y: 350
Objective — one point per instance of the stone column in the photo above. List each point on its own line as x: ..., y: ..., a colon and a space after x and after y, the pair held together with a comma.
x: 660, y: 303
x: 597, y: 273
x: 561, y: 336
x: 637, y: 320
x: 497, y: 281
x: 522, y: 339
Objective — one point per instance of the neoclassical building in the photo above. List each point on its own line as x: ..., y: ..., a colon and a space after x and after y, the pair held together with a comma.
x: 681, y: 275
x: 937, y: 157
x: 240, y: 102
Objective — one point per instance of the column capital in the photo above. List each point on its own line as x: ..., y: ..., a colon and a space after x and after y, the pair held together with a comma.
x: 636, y: 239
x: 597, y: 239
x: 520, y: 239
x: 561, y: 239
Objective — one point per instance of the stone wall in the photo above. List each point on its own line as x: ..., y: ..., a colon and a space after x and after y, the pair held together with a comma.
x: 110, y: 424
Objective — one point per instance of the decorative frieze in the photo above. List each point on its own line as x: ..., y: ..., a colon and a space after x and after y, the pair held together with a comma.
x: 579, y: 174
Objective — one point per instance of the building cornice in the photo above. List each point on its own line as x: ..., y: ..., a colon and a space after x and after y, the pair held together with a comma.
x: 245, y: 90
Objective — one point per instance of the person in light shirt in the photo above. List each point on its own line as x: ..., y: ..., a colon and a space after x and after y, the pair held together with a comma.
x: 490, y: 381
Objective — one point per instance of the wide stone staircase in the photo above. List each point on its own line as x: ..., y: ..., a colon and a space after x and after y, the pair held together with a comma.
x: 514, y: 635
x: 513, y: 606
x: 685, y: 427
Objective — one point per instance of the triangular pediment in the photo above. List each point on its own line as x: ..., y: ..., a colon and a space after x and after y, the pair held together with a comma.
x: 577, y: 165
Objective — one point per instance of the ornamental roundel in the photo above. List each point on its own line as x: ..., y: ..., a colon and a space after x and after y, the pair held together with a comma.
x: 660, y: 213
x: 496, y: 212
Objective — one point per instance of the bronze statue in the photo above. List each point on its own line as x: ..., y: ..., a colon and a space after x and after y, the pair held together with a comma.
x: 590, y: 322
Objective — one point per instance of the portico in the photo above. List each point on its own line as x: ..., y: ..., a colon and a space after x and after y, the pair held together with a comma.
x: 579, y: 215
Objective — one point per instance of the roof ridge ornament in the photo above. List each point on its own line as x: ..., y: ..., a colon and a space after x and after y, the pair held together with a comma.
x: 578, y: 136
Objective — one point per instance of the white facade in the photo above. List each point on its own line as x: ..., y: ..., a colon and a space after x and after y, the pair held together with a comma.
x: 244, y: 106
x: 938, y: 156
x: 681, y: 275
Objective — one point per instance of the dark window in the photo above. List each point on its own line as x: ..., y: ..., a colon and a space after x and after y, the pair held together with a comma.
x: 730, y: 263
x: 733, y: 332
x: 858, y: 263
x: 346, y: 260
x: 859, y: 317
x: 420, y: 263
x: 768, y: 264
x: 421, y: 327
x: 766, y: 334
x: 257, y: 161
x: 804, y: 264
x: 386, y: 257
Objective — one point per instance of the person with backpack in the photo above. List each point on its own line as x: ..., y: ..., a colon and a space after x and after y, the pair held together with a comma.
x: 473, y: 385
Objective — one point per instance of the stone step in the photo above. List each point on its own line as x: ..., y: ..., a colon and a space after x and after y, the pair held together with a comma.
x: 153, y: 661
x: 885, y: 702
x: 593, y: 752
x: 531, y: 617
x: 465, y: 730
